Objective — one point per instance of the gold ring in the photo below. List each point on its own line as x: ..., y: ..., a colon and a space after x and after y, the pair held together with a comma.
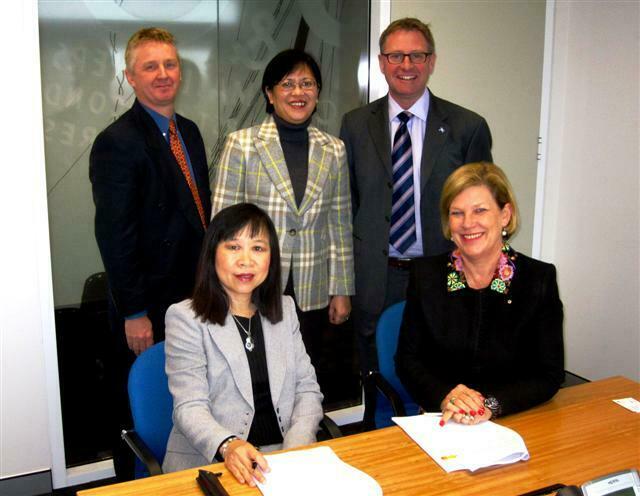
x: 452, y: 400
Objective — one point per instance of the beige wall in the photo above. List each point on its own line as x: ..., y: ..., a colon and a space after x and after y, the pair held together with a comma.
x: 490, y: 57
x: 591, y: 216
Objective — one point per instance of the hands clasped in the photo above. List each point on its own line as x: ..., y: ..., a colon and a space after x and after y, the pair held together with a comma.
x: 245, y: 462
x: 465, y: 406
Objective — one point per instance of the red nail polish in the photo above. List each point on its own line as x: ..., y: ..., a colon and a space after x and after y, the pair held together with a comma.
x: 441, y: 423
x: 481, y: 411
x: 472, y: 413
x: 461, y: 412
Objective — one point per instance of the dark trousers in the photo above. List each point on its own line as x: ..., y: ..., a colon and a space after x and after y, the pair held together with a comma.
x: 117, y: 365
x: 313, y: 325
x: 365, y: 324
x: 331, y: 349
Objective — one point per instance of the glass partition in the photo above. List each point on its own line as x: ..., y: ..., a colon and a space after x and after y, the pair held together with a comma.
x: 224, y: 46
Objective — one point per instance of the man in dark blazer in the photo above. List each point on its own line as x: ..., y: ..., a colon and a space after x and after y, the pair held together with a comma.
x: 442, y: 137
x: 151, y: 191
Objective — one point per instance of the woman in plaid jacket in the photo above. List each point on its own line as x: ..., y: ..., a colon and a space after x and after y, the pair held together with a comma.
x: 298, y: 175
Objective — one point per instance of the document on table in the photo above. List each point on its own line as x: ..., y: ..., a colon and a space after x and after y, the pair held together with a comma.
x: 464, y: 447
x: 315, y: 472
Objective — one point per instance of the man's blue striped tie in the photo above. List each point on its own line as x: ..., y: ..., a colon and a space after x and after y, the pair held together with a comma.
x: 403, y: 225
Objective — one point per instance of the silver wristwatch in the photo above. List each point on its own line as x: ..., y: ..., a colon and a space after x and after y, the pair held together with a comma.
x: 223, y: 447
x: 494, y: 405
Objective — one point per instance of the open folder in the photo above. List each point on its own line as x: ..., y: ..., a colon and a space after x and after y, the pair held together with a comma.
x: 315, y: 472
x: 464, y: 447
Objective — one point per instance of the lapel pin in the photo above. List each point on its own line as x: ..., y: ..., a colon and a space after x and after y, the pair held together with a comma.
x: 441, y: 130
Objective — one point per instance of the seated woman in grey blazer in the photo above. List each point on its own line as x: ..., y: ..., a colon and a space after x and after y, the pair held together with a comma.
x: 238, y: 370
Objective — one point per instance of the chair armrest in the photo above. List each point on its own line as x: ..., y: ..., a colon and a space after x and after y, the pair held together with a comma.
x: 330, y: 427
x: 142, y: 451
x: 377, y: 380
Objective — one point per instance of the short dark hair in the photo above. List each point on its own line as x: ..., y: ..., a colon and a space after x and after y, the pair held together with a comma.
x: 408, y: 24
x: 285, y: 63
x: 210, y: 301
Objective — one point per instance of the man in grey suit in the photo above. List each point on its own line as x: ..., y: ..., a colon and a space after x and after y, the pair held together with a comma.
x: 400, y: 150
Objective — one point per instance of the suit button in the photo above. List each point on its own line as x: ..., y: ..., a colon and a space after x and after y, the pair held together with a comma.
x: 166, y: 242
x: 292, y: 232
x: 390, y: 185
x: 277, y: 410
x: 385, y: 253
x: 161, y: 206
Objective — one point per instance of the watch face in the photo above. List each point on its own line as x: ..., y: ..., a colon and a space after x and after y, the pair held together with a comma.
x: 492, y: 404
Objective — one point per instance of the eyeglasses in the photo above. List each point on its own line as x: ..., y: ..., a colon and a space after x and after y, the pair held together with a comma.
x: 304, y: 85
x: 396, y: 58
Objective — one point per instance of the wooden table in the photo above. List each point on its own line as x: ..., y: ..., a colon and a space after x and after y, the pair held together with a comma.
x: 579, y: 435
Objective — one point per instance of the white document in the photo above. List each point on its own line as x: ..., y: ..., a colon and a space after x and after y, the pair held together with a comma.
x: 464, y: 447
x: 630, y: 404
x: 315, y: 472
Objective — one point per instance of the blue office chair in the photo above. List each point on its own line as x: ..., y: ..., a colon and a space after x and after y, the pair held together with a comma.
x: 391, y: 397
x: 152, y: 407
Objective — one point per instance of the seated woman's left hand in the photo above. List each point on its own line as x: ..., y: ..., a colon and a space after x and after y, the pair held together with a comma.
x: 339, y: 309
x: 245, y: 462
x: 464, y: 406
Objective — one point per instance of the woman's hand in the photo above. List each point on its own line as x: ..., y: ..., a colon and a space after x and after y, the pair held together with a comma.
x: 339, y: 309
x: 245, y: 462
x: 465, y: 406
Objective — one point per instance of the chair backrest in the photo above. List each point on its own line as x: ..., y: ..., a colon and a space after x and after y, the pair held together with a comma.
x: 150, y: 400
x: 387, y: 333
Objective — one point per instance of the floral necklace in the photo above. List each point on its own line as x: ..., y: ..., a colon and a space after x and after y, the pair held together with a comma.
x: 502, y: 277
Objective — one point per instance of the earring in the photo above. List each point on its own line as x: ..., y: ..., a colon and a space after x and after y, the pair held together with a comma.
x: 504, y: 233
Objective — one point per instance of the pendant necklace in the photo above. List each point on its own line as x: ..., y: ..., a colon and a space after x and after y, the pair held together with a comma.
x: 248, y: 343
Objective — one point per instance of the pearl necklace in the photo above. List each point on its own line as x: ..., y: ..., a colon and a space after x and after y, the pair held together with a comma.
x: 248, y: 342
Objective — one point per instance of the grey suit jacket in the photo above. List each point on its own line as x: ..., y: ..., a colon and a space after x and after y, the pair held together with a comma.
x: 454, y: 136
x: 210, y: 382
x: 315, y: 239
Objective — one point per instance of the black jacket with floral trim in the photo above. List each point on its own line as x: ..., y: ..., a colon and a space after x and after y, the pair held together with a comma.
x: 507, y: 345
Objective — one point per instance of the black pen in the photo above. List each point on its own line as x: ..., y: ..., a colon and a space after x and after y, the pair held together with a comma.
x: 212, y: 483
x: 205, y: 486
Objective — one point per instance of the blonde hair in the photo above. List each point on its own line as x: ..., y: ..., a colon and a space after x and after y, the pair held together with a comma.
x: 145, y: 35
x: 408, y: 24
x: 479, y: 174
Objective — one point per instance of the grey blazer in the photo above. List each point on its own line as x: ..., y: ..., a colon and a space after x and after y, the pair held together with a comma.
x: 210, y: 382
x: 315, y: 239
x: 454, y: 136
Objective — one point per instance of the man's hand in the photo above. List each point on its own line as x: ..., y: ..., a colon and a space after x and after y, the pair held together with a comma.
x: 139, y: 334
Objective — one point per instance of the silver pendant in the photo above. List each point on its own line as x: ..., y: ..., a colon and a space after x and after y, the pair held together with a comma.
x: 248, y: 344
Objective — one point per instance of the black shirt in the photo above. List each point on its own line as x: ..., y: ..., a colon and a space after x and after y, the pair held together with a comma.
x: 294, y: 139
x: 265, y: 429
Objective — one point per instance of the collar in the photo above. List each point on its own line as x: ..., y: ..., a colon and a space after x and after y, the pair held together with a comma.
x: 419, y: 109
x: 502, y: 277
x: 161, y: 121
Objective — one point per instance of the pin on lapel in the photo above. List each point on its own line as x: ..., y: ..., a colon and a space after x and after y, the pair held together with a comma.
x: 441, y: 130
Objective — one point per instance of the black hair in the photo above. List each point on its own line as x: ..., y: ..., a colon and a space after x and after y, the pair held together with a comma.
x: 210, y: 301
x: 285, y: 63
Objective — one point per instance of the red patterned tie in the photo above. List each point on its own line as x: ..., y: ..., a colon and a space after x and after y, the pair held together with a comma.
x: 178, y: 153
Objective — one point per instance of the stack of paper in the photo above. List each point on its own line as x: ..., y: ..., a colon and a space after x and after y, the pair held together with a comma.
x: 315, y: 472
x: 464, y: 447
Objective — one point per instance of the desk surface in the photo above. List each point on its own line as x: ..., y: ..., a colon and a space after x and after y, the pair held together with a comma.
x: 579, y: 435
